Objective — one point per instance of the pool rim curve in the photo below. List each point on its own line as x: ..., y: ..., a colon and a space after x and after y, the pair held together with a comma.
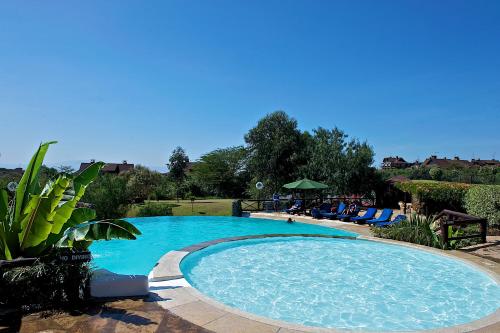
x: 170, y: 264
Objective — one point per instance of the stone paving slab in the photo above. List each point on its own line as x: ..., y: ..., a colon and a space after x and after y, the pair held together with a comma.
x: 198, y: 312
x: 490, y: 250
x: 163, y: 271
x: 236, y: 324
x: 173, y: 297
x: 120, y: 316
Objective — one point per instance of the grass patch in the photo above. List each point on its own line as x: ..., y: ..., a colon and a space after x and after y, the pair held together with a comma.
x: 201, y: 207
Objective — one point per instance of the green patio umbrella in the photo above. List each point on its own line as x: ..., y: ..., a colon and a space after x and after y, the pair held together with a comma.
x: 305, y: 184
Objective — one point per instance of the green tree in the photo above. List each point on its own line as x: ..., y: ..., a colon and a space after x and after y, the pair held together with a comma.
x: 177, y: 164
x: 275, y: 148
x: 142, y: 183
x: 65, y: 169
x: 345, y: 165
x: 223, y: 172
x: 436, y: 173
x: 109, y: 196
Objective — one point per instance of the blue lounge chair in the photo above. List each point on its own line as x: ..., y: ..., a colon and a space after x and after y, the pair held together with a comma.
x: 323, y: 208
x: 297, y: 207
x: 332, y: 215
x: 384, y: 217
x: 370, y: 214
x: 396, y: 220
x: 347, y: 217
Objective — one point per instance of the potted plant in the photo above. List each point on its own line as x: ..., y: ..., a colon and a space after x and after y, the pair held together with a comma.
x: 45, y: 236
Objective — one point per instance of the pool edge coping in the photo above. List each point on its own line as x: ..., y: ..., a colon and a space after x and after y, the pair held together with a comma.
x: 173, y: 259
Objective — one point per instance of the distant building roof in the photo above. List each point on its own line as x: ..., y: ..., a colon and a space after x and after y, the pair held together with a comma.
x: 434, y: 161
x: 480, y: 162
x: 114, y: 168
x: 394, y: 162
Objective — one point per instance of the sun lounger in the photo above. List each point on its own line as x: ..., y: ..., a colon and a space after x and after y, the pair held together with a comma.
x: 296, y: 208
x: 384, y: 217
x: 347, y: 217
x: 333, y: 215
x: 323, y: 208
x: 370, y: 214
x: 396, y: 220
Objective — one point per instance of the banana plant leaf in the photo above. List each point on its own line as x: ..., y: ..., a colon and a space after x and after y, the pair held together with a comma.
x: 4, y: 223
x: 78, y: 216
x: 38, y: 216
x: 28, y: 185
x: 80, y: 183
x: 98, y: 230
x: 4, y: 204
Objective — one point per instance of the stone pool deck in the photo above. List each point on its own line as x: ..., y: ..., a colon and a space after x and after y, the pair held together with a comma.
x: 173, y: 306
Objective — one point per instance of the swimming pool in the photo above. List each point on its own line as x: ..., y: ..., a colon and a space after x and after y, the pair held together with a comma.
x: 341, y: 283
x: 166, y: 233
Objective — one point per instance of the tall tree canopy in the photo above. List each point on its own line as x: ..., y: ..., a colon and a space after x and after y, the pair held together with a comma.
x: 177, y: 164
x: 275, y: 150
x: 345, y: 165
x: 142, y: 183
x: 223, y: 172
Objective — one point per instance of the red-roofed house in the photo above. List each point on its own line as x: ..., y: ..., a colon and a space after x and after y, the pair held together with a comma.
x: 112, y: 168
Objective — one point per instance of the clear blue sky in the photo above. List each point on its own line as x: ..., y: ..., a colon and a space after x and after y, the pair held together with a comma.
x: 116, y: 80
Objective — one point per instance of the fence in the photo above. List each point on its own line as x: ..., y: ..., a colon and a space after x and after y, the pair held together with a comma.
x: 255, y: 205
x: 451, y: 218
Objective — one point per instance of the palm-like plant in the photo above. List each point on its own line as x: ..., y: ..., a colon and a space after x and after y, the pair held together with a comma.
x: 417, y: 229
x: 37, y: 219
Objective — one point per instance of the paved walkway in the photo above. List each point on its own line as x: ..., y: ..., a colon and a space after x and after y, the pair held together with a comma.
x: 489, y: 250
x: 122, y: 316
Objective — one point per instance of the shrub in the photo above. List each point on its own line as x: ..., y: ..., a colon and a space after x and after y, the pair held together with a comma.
x: 433, y: 196
x: 44, y: 285
x: 484, y: 201
x: 425, y: 230
x: 417, y: 229
x: 142, y: 183
x: 155, y: 209
x: 436, y: 173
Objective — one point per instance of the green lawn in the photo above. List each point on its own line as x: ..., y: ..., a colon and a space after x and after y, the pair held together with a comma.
x: 201, y: 207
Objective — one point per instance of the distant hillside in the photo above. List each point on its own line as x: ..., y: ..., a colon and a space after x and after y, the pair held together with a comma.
x: 11, y: 172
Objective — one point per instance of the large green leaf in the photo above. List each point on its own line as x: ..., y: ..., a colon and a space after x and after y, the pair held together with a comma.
x: 28, y: 185
x: 5, y: 231
x: 99, y: 230
x: 81, y: 215
x: 88, y: 175
x: 80, y: 183
x: 38, y: 216
x: 78, y: 216
x: 4, y: 205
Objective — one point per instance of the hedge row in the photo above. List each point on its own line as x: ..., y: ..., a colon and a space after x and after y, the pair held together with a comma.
x: 478, y: 200
x: 484, y: 201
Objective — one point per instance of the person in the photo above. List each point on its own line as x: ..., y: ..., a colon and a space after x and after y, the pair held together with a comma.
x: 334, y: 208
x: 276, y: 201
x: 352, y: 208
x: 289, y: 220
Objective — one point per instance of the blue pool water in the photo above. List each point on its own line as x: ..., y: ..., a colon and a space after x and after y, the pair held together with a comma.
x: 340, y: 283
x: 166, y: 233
